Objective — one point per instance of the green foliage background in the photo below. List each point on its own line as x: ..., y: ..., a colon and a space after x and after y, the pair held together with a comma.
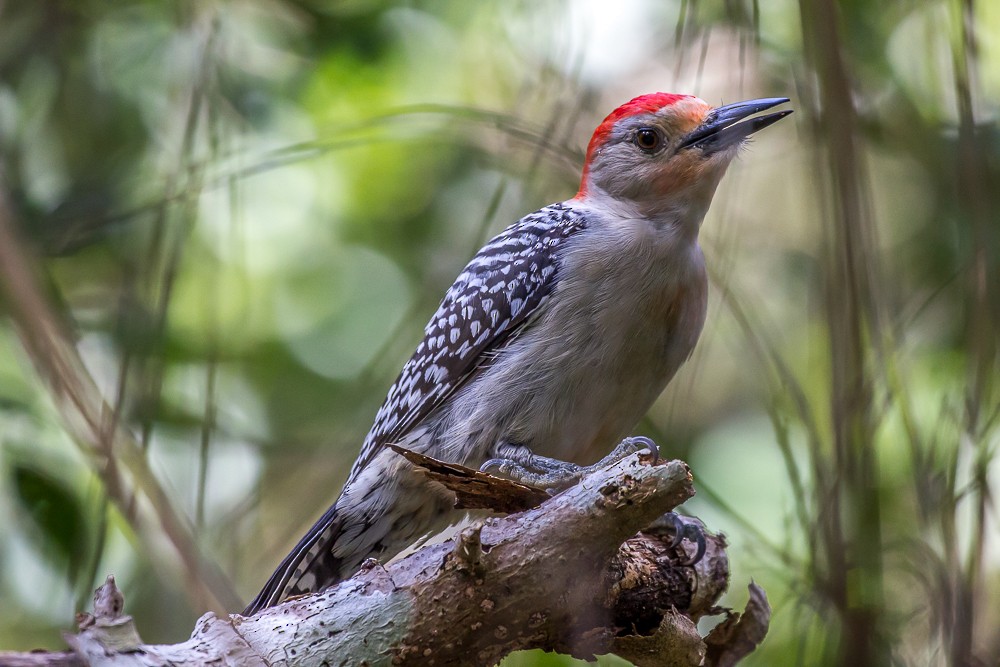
x: 244, y: 211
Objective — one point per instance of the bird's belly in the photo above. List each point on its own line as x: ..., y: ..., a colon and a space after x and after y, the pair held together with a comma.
x: 580, y: 413
x: 571, y: 396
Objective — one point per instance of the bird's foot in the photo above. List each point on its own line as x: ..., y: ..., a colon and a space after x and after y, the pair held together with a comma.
x: 681, y: 528
x: 520, y: 464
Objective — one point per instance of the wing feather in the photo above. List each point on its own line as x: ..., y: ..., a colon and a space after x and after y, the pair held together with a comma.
x: 493, y: 298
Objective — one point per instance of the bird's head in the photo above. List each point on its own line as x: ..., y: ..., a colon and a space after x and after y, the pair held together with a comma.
x: 664, y: 152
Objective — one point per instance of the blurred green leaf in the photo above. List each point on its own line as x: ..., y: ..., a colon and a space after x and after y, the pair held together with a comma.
x: 59, y: 526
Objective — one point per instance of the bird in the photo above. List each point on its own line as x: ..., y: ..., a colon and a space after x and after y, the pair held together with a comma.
x: 555, y: 339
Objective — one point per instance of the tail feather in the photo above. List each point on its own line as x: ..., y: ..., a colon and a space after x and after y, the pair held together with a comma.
x: 309, y: 567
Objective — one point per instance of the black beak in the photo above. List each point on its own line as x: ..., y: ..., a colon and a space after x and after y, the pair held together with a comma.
x: 722, y: 128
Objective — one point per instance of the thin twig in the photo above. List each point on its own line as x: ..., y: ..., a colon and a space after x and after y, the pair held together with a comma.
x: 86, y: 416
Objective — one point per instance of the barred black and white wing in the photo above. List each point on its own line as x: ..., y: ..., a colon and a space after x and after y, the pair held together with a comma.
x: 496, y: 294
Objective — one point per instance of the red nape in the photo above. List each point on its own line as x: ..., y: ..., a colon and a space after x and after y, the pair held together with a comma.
x: 650, y: 103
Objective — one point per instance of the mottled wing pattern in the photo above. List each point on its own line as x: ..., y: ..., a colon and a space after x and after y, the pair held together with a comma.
x: 497, y: 293
x: 310, y: 555
x: 494, y: 296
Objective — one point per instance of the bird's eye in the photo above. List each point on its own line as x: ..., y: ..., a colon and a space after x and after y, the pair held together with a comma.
x: 647, y: 139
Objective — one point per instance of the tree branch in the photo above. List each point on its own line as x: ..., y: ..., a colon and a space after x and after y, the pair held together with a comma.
x: 570, y: 575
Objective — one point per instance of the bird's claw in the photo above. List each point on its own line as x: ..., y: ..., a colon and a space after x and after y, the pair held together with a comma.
x: 520, y: 464
x: 695, y: 534
x: 680, y: 529
x: 638, y: 443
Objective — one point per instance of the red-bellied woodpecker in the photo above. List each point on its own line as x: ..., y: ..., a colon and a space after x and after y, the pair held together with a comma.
x: 556, y: 337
